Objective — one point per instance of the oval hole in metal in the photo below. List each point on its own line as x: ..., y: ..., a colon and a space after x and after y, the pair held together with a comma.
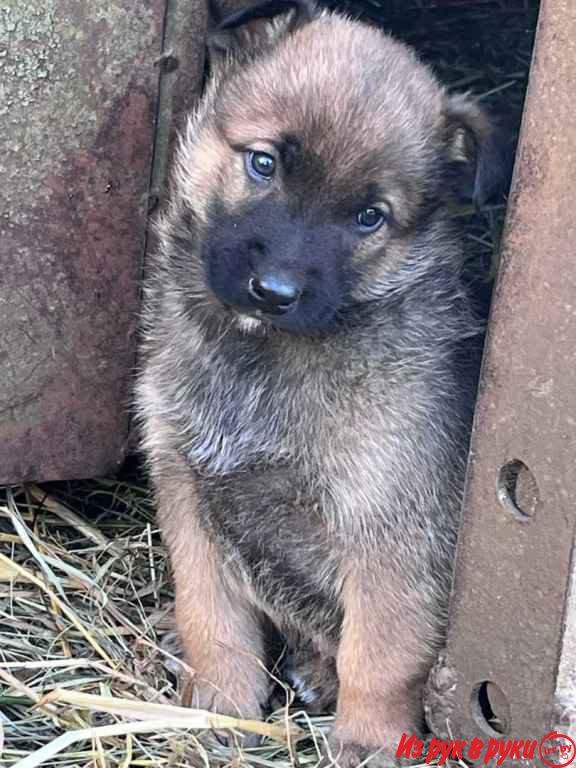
x: 517, y: 490
x: 490, y: 709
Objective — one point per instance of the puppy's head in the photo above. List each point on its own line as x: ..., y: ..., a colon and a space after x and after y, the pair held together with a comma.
x: 315, y: 169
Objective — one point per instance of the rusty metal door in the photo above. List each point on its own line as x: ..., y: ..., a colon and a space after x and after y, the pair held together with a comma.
x: 81, y: 88
x: 512, y: 626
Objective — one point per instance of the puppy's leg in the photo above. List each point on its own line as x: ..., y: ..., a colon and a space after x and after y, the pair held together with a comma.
x: 383, y: 660
x: 220, y: 630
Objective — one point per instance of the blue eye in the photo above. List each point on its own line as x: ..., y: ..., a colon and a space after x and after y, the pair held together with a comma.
x: 260, y: 165
x: 371, y: 219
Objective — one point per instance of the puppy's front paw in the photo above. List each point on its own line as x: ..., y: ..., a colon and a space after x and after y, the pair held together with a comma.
x: 233, y: 703
x: 228, y: 700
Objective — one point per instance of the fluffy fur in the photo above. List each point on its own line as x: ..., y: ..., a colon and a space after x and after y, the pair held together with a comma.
x: 309, y: 467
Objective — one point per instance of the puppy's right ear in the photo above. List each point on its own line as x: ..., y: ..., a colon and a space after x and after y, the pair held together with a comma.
x: 480, y: 150
x: 256, y: 27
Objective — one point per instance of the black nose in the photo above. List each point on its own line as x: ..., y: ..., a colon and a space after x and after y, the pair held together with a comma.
x: 273, y: 294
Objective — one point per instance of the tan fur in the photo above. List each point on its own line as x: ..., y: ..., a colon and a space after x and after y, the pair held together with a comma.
x: 219, y: 628
x: 380, y: 670
x: 197, y: 179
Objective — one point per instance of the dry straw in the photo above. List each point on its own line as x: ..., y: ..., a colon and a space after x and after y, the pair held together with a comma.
x: 86, y: 674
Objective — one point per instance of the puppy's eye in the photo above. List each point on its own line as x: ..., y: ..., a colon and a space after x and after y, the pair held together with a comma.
x: 260, y: 165
x: 371, y: 219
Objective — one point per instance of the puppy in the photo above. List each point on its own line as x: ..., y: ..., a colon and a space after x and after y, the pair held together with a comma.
x: 309, y: 366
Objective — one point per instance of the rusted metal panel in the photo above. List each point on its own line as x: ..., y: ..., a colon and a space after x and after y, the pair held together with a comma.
x: 182, y: 76
x: 508, y: 608
x: 182, y: 69
x: 78, y: 103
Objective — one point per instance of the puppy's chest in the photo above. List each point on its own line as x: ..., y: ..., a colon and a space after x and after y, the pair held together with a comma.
x: 234, y: 420
x: 269, y: 524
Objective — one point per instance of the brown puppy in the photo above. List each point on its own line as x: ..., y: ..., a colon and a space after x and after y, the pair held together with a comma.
x: 309, y: 367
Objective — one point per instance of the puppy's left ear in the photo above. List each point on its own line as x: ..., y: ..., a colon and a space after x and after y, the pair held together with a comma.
x: 257, y: 26
x: 480, y: 150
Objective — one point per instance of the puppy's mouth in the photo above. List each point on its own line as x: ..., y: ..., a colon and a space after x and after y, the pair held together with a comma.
x: 258, y: 323
x: 255, y: 322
